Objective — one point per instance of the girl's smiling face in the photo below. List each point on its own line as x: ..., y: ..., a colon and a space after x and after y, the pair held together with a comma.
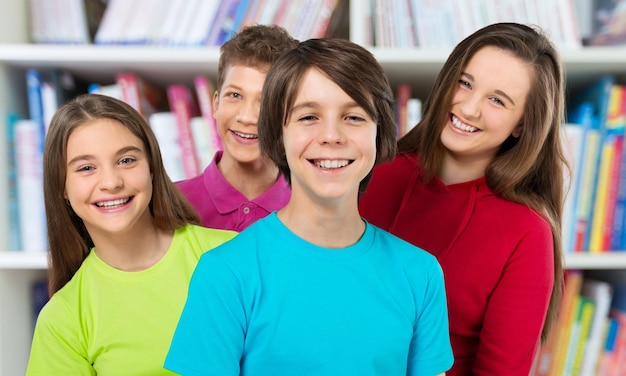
x: 487, y: 106
x: 108, y: 181
x: 330, y: 141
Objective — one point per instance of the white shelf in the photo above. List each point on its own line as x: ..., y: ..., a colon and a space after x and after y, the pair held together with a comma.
x: 606, y: 260
x: 167, y: 64
x: 610, y: 260
x: 161, y: 65
x: 19, y: 260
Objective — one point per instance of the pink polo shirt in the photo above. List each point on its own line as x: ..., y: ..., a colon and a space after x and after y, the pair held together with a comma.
x: 222, y: 206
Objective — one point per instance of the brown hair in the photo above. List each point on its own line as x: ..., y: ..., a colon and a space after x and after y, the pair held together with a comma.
x: 68, y: 239
x: 525, y: 168
x: 352, y: 68
x: 255, y: 46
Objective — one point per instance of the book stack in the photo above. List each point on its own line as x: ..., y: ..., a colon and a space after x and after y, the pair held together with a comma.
x: 175, y: 23
x: 589, y: 335
x: 596, y: 201
x: 439, y: 24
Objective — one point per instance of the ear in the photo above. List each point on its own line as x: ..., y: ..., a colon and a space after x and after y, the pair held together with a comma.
x: 216, y: 101
x: 517, y: 131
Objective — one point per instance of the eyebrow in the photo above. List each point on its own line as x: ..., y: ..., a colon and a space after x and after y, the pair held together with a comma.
x: 313, y: 104
x: 309, y: 104
x: 499, y: 92
x: 88, y: 157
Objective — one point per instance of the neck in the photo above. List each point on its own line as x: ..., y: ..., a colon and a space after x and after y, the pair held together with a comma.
x: 455, y: 171
x: 251, y: 179
x: 325, y: 226
x: 138, y: 251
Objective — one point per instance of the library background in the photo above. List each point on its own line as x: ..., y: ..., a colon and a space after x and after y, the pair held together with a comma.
x: 161, y: 55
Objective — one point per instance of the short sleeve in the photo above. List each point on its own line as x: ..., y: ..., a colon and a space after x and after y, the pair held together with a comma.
x: 57, y: 348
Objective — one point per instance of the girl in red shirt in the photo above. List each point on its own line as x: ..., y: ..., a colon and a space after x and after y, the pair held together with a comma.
x: 478, y: 183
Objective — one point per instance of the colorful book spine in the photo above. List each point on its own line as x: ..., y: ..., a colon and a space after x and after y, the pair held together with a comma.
x: 403, y: 94
x: 598, y: 95
x: 13, y: 209
x: 28, y: 136
x: 611, y: 199
x: 180, y: 101
x: 601, y: 293
x: 601, y: 199
x: 607, y: 357
x: 34, y: 82
x: 143, y: 96
x: 573, y: 144
x: 584, y: 321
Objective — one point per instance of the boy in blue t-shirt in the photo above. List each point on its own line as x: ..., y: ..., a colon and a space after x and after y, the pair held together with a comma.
x: 313, y: 289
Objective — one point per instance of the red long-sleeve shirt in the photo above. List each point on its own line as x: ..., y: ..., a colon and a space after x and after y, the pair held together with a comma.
x: 497, y: 258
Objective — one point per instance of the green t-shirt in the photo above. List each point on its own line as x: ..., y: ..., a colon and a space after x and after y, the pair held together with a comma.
x: 110, y: 322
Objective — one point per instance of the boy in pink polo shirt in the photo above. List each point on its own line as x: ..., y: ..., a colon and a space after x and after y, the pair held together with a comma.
x: 240, y: 186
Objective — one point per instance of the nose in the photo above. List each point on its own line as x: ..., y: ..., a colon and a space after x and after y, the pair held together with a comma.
x: 110, y: 179
x: 331, y: 132
x: 248, y: 113
x: 470, y: 106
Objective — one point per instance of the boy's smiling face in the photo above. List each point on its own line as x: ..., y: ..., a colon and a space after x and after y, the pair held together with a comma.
x: 330, y: 141
x: 236, y: 111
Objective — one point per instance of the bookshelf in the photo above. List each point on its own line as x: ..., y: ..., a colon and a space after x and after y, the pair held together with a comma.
x: 163, y: 65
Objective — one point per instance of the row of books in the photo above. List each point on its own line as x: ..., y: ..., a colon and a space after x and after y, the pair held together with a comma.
x: 175, y: 22
x: 595, y: 210
x: 444, y: 23
x: 589, y: 335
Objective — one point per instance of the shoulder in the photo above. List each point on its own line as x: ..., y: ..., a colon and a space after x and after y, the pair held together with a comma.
x: 520, y: 216
x: 246, y: 241
x: 204, y: 236
x: 382, y: 199
x: 522, y: 234
x: 507, y: 213
x: 393, y: 177
x: 403, y: 250
x: 64, y: 305
x: 196, y: 185
x: 398, y: 167
x: 192, y: 185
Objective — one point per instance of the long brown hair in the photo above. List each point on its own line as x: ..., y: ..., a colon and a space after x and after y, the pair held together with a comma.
x: 527, y: 169
x: 68, y: 240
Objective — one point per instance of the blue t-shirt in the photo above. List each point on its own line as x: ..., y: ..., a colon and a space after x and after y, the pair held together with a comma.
x: 270, y: 303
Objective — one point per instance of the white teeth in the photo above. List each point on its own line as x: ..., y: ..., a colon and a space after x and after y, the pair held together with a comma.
x: 112, y: 204
x: 331, y: 164
x: 246, y: 135
x: 464, y: 127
